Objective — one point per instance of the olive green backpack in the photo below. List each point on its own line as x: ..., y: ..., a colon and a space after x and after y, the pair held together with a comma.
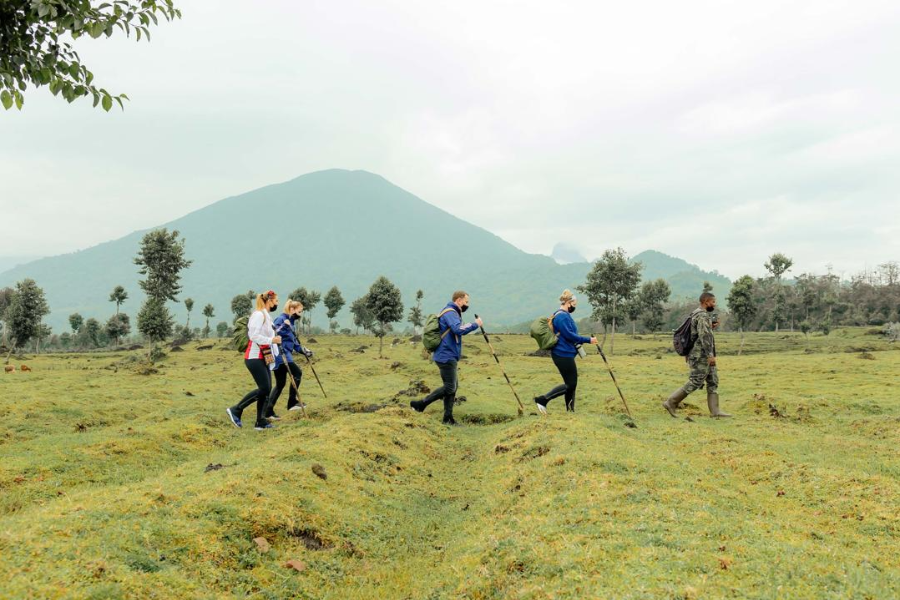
x: 542, y: 332
x: 431, y: 335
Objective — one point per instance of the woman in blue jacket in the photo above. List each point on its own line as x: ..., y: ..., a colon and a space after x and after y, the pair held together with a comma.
x: 564, y: 352
x: 284, y: 325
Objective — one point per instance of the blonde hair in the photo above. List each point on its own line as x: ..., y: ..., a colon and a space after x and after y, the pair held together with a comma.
x: 567, y: 296
x: 262, y: 299
x: 291, y: 305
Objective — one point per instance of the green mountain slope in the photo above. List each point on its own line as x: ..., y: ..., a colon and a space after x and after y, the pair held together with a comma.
x: 327, y: 228
x: 685, y: 279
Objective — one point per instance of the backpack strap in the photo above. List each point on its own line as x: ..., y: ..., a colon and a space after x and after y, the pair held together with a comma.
x: 444, y: 312
x: 550, y: 320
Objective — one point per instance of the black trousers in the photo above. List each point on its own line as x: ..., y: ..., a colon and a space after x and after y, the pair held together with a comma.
x: 569, y: 371
x: 261, y: 376
x: 280, y: 381
x: 450, y: 379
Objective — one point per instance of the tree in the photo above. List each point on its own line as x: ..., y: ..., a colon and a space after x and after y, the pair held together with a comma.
x: 44, y: 332
x: 611, y: 281
x: 334, y: 302
x: 6, y: 295
x: 707, y: 287
x: 154, y: 321
x: 415, y: 313
x: 34, y: 49
x: 221, y: 328
x: 806, y: 327
x: 742, y: 304
x: 75, y: 322
x: 118, y: 326
x: 119, y: 296
x: 633, y: 310
x: 242, y: 304
x: 362, y: 316
x: 209, y: 312
x: 24, y: 313
x: 653, y: 297
x: 386, y: 306
x: 778, y: 264
x: 189, y: 305
x: 161, y: 258
x: 890, y: 273
x: 92, y: 331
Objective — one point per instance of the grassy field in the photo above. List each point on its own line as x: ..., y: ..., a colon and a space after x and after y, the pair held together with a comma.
x: 117, y: 484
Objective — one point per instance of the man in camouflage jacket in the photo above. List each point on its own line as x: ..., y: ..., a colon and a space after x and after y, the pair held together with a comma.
x: 701, y: 359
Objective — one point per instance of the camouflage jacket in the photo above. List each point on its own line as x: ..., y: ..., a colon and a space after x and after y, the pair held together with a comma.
x: 702, y: 332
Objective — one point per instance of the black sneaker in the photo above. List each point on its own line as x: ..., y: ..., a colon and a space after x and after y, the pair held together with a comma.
x: 541, y: 403
x: 417, y: 405
x: 570, y: 406
x: 261, y: 426
x: 234, y: 417
x: 297, y: 406
x: 273, y: 417
x: 449, y: 421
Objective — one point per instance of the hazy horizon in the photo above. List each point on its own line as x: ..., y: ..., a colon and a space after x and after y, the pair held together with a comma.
x: 763, y: 127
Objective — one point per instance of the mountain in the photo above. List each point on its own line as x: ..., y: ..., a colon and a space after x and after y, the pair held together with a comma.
x: 9, y: 262
x: 328, y: 228
x: 566, y: 254
x: 685, y: 279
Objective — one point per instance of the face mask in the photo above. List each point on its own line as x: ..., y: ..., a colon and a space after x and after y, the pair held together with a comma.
x: 464, y: 308
x: 710, y: 308
x: 274, y: 308
x: 571, y: 309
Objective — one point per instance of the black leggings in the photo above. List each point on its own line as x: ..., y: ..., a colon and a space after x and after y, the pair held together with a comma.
x: 569, y: 372
x: 260, y: 372
x: 280, y: 381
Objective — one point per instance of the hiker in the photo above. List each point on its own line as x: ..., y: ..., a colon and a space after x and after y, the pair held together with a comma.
x: 259, y: 355
x: 448, y: 354
x: 289, y: 343
x: 563, y: 353
x: 701, y: 359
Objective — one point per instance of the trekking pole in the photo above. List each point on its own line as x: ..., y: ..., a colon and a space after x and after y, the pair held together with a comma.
x: 293, y: 382
x: 316, y: 375
x: 312, y: 368
x: 502, y: 370
x: 613, y: 375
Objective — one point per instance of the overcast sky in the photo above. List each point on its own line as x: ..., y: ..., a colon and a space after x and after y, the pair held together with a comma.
x: 715, y: 131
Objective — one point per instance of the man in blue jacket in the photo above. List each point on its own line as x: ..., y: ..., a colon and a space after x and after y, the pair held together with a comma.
x: 448, y: 354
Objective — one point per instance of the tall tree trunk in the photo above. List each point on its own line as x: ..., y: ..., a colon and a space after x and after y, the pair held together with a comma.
x: 612, y: 341
x: 741, y: 349
x: 381, y: 342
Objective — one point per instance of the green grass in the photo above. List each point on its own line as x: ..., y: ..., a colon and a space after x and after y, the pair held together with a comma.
x: 104, y: 491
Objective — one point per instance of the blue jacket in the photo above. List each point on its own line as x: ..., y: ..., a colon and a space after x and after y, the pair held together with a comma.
x: 451, y: 344
x: 564, y: 325
x: 284, y: 326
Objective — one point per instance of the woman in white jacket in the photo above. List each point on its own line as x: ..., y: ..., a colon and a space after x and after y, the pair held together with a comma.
x: 257, y: 356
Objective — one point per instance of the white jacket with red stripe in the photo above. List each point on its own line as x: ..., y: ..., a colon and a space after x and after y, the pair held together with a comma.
x: 260, y: 330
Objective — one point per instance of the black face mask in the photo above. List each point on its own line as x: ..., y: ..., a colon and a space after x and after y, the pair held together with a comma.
x: 274, y: 308
x: 464, y: 308
x: 571, y: 309
x: 710, y: 308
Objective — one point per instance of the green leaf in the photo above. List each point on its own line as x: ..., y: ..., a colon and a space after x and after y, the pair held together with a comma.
x: 96, y: 99
x: 119, y: 100
x: 107, y: 103
x: 74, y: 71
x: 6, y: 99
x: 96, y: 30
x: 20, y: 100
x: 138, y: 30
